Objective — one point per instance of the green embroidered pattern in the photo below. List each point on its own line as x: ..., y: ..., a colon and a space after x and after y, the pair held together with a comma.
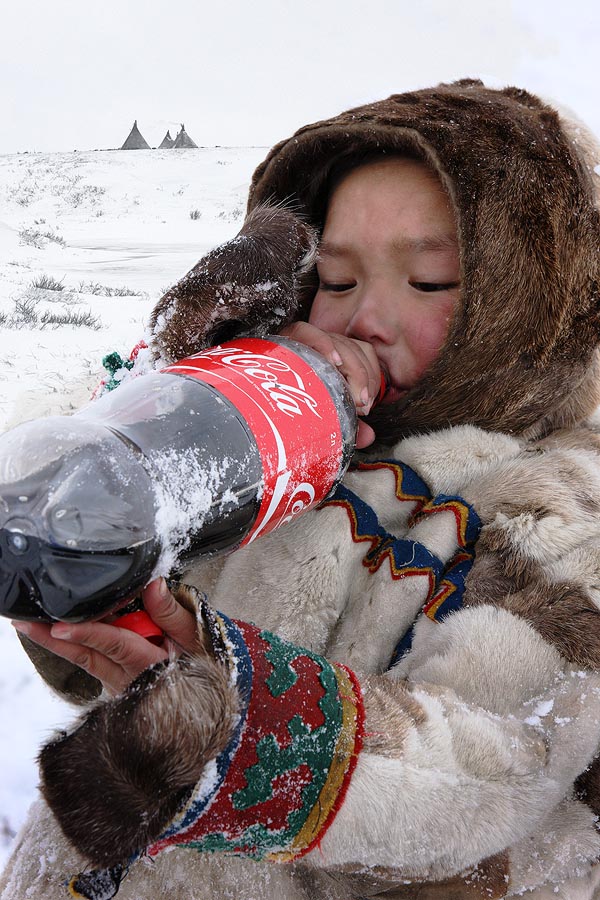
x: 113, y: 363
x: 281, y: 655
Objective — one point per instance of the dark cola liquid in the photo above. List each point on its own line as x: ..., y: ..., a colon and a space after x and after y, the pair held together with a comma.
x: 191, y: 424
x: 162, y: 470
x: 78, y: 536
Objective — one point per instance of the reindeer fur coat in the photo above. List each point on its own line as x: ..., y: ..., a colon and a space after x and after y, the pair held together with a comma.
x: 479, y: 774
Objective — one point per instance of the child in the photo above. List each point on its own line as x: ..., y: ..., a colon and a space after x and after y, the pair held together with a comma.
x: 459, y: 252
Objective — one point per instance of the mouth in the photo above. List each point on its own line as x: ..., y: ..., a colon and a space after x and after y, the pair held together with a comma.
x: 393, y: 394
x: 389, y: 393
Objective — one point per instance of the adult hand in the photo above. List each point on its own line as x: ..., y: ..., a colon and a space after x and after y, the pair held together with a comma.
x: 115, y: 656
x: 357, y: 362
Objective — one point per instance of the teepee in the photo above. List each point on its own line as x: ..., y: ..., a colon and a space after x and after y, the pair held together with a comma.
x: 183, y: 140
x: 135, y: 141
x: 167, y: 142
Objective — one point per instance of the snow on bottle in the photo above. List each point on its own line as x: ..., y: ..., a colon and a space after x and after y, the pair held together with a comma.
x: 204, y: 456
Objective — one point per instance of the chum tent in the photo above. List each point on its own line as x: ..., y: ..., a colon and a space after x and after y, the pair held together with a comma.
x: 183, y: 140
x: 135, y: 141
x: 167, y: 142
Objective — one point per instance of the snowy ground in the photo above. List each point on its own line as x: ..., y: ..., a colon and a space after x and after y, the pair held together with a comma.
x: 94, y: 223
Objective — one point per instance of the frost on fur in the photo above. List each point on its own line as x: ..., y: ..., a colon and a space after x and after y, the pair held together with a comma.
x: 250, y: 285
x: 151, y: 744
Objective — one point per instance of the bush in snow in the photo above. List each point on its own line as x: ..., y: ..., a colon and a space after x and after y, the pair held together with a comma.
x: 102, y: 290
x: 79, y: 319
x: 47, y: 283
x: 34, y: 237
x: 26, y: 315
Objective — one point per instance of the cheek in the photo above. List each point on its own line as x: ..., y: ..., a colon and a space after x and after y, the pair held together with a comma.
x: 428, y: 333
x: 328, y: 314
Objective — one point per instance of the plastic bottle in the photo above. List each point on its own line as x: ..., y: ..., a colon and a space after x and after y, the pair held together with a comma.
x: 202, y: 457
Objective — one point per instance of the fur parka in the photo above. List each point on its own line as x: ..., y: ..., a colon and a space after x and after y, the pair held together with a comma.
x: 479, y: 773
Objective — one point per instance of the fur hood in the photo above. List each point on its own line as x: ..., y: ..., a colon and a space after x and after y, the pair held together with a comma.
x: 521, y: 354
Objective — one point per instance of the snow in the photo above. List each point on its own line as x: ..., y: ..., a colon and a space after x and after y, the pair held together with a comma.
x: 90, y: 221
x: 542, y: 709
x: 184, y: 496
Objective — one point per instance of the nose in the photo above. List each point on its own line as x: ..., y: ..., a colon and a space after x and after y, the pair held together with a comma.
x: 376, y: 315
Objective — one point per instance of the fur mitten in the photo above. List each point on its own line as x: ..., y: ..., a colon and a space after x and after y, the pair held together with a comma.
x: 249, y: 755
x: 249, y: 286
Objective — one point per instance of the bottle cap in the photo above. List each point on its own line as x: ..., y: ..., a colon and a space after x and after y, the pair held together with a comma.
x: 384, y: 385
x: 142, y: 624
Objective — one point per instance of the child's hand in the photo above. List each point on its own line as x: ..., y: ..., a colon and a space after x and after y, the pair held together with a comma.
x: 357, y: 362
x: 115, y: 656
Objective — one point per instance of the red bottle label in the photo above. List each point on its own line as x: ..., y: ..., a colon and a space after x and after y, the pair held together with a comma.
x: 291, y: 414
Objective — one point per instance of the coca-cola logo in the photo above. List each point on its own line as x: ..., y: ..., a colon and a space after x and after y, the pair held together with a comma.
x: 279, y: 381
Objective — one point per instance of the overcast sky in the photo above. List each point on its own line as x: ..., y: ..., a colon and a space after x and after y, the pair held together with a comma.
x: 74, y: 74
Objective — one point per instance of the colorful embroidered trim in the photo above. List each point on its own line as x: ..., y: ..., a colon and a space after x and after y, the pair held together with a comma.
x: 409, y: 485
x: 405, y: 557
x: 449, y: 594
x: 468, y: 523
x: 276, y: 789
x: 446, y: 583
x: 448, y: 598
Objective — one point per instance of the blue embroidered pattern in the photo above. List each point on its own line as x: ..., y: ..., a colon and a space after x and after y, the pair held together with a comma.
x: 406, y: 557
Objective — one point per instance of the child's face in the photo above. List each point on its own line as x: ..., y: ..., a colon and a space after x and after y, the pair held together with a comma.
x: 388, y: 266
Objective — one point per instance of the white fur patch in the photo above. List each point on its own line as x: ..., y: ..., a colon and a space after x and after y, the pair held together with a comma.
x: 450, y: 458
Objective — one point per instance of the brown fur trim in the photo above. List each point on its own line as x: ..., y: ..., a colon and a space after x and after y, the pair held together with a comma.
x: 188, y: 596
x: 521, y: 346
x: 488, y: 880
x: 391, y: 713
x: 488, y: 582
x: 562, y: 613
x: 115, y: 782
x: 587, y: 787
x: 565, y: 617
x: 247, y: 286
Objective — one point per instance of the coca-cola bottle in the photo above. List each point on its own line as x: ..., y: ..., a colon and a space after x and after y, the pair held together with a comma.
x: 204, y: 456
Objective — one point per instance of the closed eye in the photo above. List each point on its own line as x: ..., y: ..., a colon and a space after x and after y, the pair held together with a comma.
x: 335, y: 288
x: 428, y: 287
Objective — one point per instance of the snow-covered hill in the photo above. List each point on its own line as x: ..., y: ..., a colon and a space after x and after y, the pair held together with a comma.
x: 88, y: 242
